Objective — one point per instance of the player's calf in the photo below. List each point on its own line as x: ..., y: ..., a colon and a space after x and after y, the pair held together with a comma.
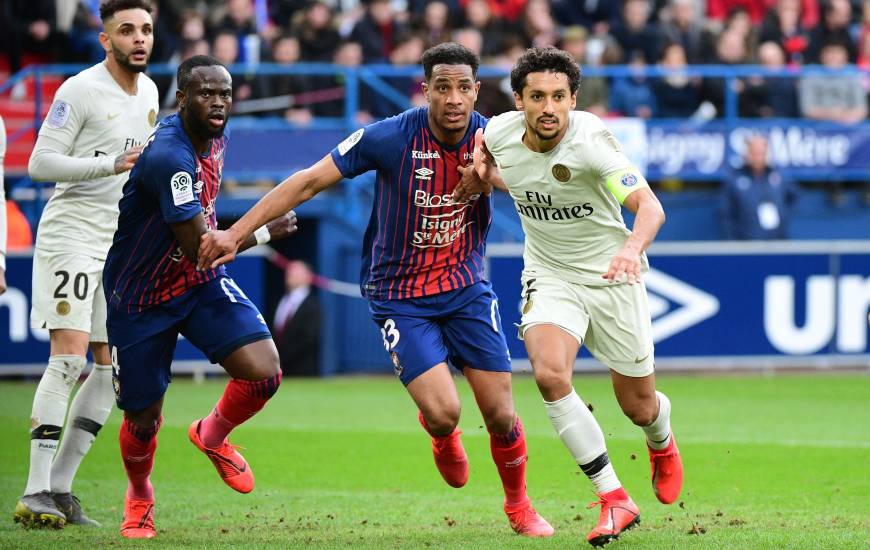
x: 449, y: 454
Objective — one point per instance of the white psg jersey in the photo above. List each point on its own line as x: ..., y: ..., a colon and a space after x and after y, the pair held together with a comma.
x: 568, y: 199
x: 92, y: 116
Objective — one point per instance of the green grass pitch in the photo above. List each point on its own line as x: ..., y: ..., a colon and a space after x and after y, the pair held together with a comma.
x: 771, y: 462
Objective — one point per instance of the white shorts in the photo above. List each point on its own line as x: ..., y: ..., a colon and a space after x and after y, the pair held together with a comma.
x: 612, y: 321
x: 68, y: 293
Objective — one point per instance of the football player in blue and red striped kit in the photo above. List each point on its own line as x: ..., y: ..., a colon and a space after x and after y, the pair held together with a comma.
x: 423, y: 267
x: 154, y: 292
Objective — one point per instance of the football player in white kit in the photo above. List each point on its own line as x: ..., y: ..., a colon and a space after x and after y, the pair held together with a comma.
x: 91, y: 137
x: 582, y: 279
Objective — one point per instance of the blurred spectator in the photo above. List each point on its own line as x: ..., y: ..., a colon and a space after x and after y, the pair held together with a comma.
x: 408, y: 51
x: 377, y: 31
x: 282, y: 12
x: 286, y: 51
x: 862, y: 36
x: 836, y: 18
x: 769, y: 96
x: 685, y: 28
x: 226, y: 50
x: 592, y: 95
x: 537, y: 24
x: 730, y: 50
x: 633, y: 96
x: 316, y: 31
x: 836, y: 97
x: 240, y: 20
x: 634, y: 32
x: 783, y: 25
x: 28, y: 26
x: 596, y: 15
x: 720, y: 10
x: 495, y: 96
x: 594, y: 90
x: 434, y: 24
x: 757, y: 201
x: 738, y: 22
x: 2, y: 209
x: 677, y: 95
x: 509, y: 10
x: 297, y: 323
x: 83, y: 36
x: 478, y: 15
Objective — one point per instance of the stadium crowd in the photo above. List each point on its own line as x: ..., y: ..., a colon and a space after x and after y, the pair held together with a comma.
x: 777, y: 34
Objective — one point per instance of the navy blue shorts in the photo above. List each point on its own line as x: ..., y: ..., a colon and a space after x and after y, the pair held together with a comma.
x: 461, y: 325
x: 215, y: 316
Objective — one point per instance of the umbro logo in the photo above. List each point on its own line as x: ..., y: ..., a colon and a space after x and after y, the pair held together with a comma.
x: 424, y: 173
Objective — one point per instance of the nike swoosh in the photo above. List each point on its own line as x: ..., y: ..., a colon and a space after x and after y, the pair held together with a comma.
x: 110, y: 116
x: 241, y: 468
x: 55, y: 432
x: 642, y: 359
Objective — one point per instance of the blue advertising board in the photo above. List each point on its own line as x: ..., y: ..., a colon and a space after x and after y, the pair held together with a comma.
x: 661, y: 148
x: 25, y: 350
x: 739, y: 304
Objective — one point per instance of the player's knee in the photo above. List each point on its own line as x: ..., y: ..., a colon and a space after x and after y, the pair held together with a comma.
x: 442, y: 421
x: 552, y: 382
x: 641, y: 413
x: 500, y: 421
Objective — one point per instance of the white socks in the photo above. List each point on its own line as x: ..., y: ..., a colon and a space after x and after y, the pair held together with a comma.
x: 47, y: 416
x: 89, y: 410
x: 584, y: 439
x: 658, y: 434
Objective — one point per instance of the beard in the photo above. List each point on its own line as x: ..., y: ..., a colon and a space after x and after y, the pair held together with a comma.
x: 200, y: 128
x: 124, y: 61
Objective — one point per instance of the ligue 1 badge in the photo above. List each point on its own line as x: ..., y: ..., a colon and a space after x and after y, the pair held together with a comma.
x: 561, y: 172
x: 628, y: 180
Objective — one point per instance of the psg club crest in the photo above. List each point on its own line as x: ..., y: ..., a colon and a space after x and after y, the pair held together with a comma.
x: 561, y: 172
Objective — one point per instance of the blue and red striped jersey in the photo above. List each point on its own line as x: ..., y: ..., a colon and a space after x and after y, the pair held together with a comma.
x: 169, y: 184
x: 418, y: 241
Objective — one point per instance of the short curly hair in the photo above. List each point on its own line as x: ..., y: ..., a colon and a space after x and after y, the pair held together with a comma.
x: 108, y: 9
x: 449, y: 53
x: 545, y: 60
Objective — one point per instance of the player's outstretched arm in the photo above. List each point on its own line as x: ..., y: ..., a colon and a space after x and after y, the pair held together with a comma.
x: 49, y: 163
x: 649, y: 217
x: 220, y: 247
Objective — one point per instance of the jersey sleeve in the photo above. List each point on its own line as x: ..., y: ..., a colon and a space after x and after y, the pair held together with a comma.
x: 67, y: 115
x: 169, y: 177
x: 620, y: 176
x: 366, y: 149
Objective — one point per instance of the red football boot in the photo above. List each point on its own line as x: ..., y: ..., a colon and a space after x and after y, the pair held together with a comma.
x: 138, y: 520
x: 450, y: 457
x: 227, y: 460
x: 667, y: 472
x: 618, y: 513
x: 526, y: 521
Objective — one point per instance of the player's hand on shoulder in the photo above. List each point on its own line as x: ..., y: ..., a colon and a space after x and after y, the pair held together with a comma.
x: 127, y: 159
x: 282, y: 226
x: 624, y: 268
x: 216, y: 248
x: 470, y: 186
